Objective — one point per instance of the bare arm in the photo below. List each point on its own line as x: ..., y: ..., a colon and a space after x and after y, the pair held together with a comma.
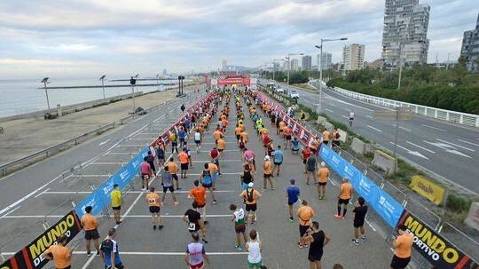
x: 326, y: 240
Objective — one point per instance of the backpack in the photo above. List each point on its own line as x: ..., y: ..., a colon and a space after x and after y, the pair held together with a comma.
x: 207, y: 177
x: 106, y: 246
x: 250, y: 195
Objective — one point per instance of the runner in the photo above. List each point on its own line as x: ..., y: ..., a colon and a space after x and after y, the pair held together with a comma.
x: 221, y: 145
x: 151, y: 161
x: 326, y: 137
x: 305, y: 213
x: 402, y: 248
x: 305, y: 154
x: 198, y: 193
x: 89, y: 225
x: 214, y: 155
x: 160, y: 153
x: 336, y: 142
x: 254, y: 248
x: 182, y: 136
x: 184, y: 163
x: 240, y: 226
x: 59, y: 253
x: 287, y: 135
x: 214, y: 173
x: 249, y: 158
x: 317, y: 240
x: 146, y: 173
x: 250, y: 197
x: 322, y: 177
x: 268, y: 173
x: 351, y: 118
x: 360, y: 210
x: 238, y: 131
x: 277, y: 159
x: 295, y: 146
x: 246, y: 177
x: 217, y: 134
x: 311, y: 166
x: 174, y: 141
x: 292, y: 193
x: 193, y: 218
x: 110, y: 251
x: 116, y: 201
x: 345, y: 193
x: 197, y: 138
x: 153, y: 201
x: 167, y: 183
x: 206, y: 180
x: 173, y: 169
x: 195, y: 256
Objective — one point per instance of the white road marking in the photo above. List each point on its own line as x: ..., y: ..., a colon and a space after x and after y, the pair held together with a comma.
x: 353, y: 105
x: 104, y: 142
x: 131, y: 146
x: 10, y: 212
x: 327, y: 109
x: 415, y: 153
x: 374, y: 128
x: 426, y: 149
x: 369, y: 116
x: 402, y: 128
x: 106, y: 163
x: 47, y: 189
x: 432, y: 127
x: 470, y: 143
x: 459, y: 146
x: 447, y: 148
x: 119, y: 153
x: 370, y: 225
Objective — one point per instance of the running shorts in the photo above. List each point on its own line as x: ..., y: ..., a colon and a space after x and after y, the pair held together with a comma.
x: 303, y: 229
x: 92, y: 234
x: 169, y: 188
x: 399, y: 263
x: 343, y: 201
x: 154, y: 209
x: 197, y: 266
x: 116, y: 207
x: 240, y: 228
x: 251, y: 207
x: 184, y: 166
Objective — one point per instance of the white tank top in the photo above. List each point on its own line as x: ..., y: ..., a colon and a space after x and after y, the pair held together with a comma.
x: 254, y: 252
x: 197, y: 136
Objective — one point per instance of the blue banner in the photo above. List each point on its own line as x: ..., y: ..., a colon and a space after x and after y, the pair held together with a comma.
x: 384, y: 204
x: 100, y: 198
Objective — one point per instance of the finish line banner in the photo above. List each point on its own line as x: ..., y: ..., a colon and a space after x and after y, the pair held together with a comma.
x: 437, y: 250
x: 100, y: 198
x: 30, y: 257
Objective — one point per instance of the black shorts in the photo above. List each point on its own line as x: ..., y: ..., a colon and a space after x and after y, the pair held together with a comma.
x: 237, y: 137
x: 184, y: 166
x: 206, y: 185
x: 322, y: 183
x: 278, y: 164
x: 303, y: 229
x: 154, y: 209
x: 68, y: 267
x: 312, y: 257
x: 116, y: 207
x: 326, y: 142
x: 358, y: 223
x: 169, y: 188
x: 220, y: 150
x: 174, y: 176
x: 304, y: 161
x: 92, y: 234
x: 251, y: 207
x: 182, y: 140
x: 399, y: 263
x: 288, y: 137
x: 197, y: 142
x: 343, y: 201
x: 240, y: 228
x: 267, y: 175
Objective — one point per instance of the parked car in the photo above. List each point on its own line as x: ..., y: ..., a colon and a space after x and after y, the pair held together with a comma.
x: 293, y: 94
x: 280, y: 90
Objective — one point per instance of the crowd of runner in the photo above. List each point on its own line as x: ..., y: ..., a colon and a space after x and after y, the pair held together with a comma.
x: 215, y: 116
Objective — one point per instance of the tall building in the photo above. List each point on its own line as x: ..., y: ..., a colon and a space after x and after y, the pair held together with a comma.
x: 306, y: 62
x: 224, y: 65
x: 285, y: 66
x: 326, y: 62
x: 294, y: 64
x: 470, y: 48
x: 353, y: 57
x: 405, y: 32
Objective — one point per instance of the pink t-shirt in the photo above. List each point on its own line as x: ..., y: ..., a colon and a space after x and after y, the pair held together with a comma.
x: 248, y: 155
x: 145, y: 168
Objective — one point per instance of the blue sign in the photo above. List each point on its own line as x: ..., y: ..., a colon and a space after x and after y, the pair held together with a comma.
x: 384, y: 204
x: 100, y: 198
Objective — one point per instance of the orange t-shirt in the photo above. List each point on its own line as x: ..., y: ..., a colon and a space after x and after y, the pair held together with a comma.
x: 404, y: 245
x: 268, y: 168
x: 326, y: 135
x: 88, y: 222
x: 61, y: 255
x: 183, y: 157
x: 217, y: 134
x: 305, y: 214
x: 153, y: 199
x: 172, y: 167
x: 256, y: 195
x: 212, y: 168
x: 244, y: 135
x: 199, y: 195
x: 346, y: 191
x: 323, y: 174
x: 238, y: 130
x: 221, y: 143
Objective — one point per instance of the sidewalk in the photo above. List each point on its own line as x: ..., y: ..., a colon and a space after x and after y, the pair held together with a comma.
x: 23, y: 137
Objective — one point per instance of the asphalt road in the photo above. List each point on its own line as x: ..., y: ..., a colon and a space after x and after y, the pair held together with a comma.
x: 447, y: 150
x: 141, y: 247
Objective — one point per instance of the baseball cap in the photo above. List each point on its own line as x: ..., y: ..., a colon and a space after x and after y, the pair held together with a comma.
x: 266, y: 158
x: 250, y: 185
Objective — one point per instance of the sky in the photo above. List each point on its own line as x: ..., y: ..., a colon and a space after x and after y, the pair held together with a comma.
x: 87, y: 38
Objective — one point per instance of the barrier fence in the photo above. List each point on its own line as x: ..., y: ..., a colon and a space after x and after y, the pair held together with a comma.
x: 31, y: 257
x: 433, y: 247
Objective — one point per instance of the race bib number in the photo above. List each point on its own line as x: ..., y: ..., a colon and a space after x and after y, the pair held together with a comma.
x: 191, y: 226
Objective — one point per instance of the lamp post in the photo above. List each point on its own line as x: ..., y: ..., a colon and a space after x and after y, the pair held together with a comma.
x: 45, y: 82
x: 320, y: 64
x: 102, y: 78
x: 289, y: 61
x: 158, y: 81
x: 132, y: 83
x: 400, y: 65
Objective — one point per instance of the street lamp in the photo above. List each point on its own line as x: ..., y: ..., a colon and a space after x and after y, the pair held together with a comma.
x: 320, y: 64
x: 45, y: 82
x: 289, y: 61
x: 102, y: 78
x: 132, y: 83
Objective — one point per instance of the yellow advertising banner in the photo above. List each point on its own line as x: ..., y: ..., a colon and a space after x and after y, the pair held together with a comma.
x: 427, y: 189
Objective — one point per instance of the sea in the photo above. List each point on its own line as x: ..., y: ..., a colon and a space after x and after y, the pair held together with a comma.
x: 20, y: 96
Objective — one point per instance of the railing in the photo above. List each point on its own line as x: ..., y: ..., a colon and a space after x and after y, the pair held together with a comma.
x: 432, y: 112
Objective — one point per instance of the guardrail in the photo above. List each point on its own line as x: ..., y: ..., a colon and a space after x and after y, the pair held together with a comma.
x: 431, y: 112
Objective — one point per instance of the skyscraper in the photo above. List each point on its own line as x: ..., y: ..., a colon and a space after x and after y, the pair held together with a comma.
x: 353, y: 57
x: 294, y: 64
x: 470, y: 48
x: 405, y: 32
x: 326, y: 62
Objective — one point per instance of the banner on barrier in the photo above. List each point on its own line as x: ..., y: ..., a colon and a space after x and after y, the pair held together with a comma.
x: 427, y: 189
x: 100, y: 198
x: 441, y: 253
x: 31, y: 255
